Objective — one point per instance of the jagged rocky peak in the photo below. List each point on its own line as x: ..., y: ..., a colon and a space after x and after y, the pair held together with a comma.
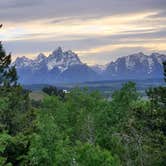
x: 66, y: 66
x: 40, y: 57
x: 155, y: 54
x: 23, y: 58
x: 72, y: 56
x: 138, y: 56
x: 137, y: 66
x: 62, y: 60
x: 22, y: 61
x: 57, y: 53
x: 57, y: 59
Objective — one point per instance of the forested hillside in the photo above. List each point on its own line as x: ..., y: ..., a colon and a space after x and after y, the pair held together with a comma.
x: 80, y: 128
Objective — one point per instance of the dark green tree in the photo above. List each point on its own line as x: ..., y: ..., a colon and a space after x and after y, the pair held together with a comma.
x: 154, y: 120
x: 16, y: 115
x: 53, y: 91
x: 164, y: 66
x: 50, y: 90
x: 8, y: 74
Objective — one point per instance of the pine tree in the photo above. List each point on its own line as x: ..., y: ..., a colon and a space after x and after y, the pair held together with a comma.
x: 164, y: 66
x: 8, y: 74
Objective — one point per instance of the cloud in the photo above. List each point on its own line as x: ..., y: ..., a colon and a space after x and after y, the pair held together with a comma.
x: 97, y: 30
x: 16, y: 4
x: 103, y: 26
x: 21, y: 10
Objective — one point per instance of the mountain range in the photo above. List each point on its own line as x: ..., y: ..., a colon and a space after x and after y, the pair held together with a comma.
x: 58, y: 67
x: 66, y: 67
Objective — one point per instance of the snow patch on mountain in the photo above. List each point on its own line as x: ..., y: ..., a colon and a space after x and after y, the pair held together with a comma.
x: 99, y: 68
x: 150, y: 63
x: 129, y: 63
x: 57, y: 59
x: 23, y: 62
x: 62, y: 60
x: 41, y: 57
x: 136, y: 66
x: 65, y: 66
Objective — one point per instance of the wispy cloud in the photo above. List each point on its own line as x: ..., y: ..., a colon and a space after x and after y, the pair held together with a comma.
x: 88, y: 27
x: 103, y: 26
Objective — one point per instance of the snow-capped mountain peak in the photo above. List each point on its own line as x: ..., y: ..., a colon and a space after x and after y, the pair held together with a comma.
x: 59, y: 66
x: 137, y: 65
x: 62, y: 60
x: 58, y: 51
x: 40, y: 57
x: 65, y: 66
x: 22, y: 62
x: 57, y: 59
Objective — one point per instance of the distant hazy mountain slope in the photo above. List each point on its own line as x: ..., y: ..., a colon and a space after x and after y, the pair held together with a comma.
x: 57, y: 67
x: 136, y: 66
x: 99, y: 68
x: 66, y: 67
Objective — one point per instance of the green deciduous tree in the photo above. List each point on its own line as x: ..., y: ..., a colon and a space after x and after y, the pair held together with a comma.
x: 90, y: 155
x: 57, y: 140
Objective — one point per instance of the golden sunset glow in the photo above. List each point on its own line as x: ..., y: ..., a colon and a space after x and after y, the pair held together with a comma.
x: 101, y: 27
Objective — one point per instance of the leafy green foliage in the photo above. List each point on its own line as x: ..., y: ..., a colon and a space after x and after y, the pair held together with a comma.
x: 8, y: 75
x: 16, y: 115
x: 81, y: 128
x: 56, y: 142
x: 4, y: 139
x: 53, y: 91
x: 14, y: 109
x: 90, y: 155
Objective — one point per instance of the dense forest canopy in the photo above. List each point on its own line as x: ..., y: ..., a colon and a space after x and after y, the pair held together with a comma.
x: 80, y: 128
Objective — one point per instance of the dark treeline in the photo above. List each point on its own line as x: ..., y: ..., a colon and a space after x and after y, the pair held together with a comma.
x: 80, y: 128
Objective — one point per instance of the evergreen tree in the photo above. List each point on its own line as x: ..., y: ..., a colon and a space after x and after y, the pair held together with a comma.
x: 164, y: 66
x: 8, y: 74
x: 50, y: 90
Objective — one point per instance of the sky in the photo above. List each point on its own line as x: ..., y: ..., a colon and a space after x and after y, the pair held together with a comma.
x: 99, y: 31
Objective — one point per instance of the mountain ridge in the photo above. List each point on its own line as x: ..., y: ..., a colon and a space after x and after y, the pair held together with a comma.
x: 65, y: 66
x: 136, y: 66
x: 59, y: 66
